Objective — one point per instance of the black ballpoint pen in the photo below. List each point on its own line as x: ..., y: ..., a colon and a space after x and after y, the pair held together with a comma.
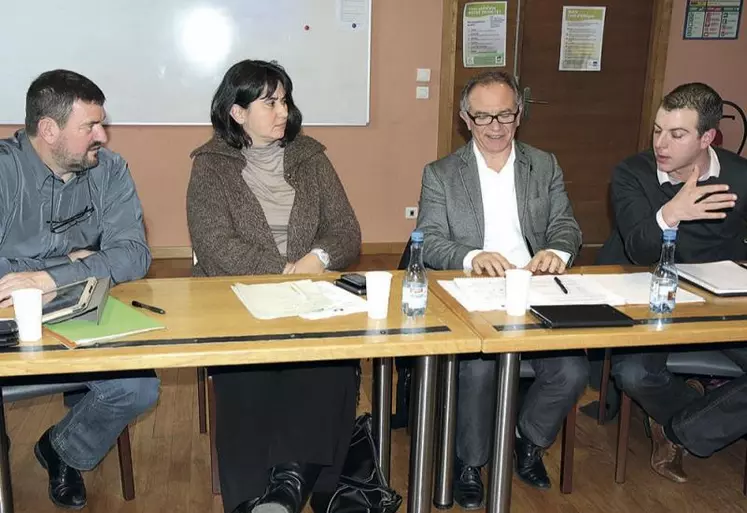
x: 560, y: 284
x: 154, y: 309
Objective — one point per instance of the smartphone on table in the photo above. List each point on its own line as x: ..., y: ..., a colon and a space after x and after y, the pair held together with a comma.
x: 352, y: 282
x: 8, y: 333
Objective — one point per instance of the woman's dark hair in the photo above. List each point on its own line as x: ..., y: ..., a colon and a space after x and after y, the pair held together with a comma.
x: 243, y: 83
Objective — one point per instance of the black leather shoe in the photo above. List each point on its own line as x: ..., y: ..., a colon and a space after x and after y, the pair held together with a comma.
x: 529, y: 466
x: 468, y: 489
x: 289, y: 488
x: 66, y: 487
x: 320, y: 501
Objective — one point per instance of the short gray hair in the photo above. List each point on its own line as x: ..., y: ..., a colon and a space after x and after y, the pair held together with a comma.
x: 487, y: 78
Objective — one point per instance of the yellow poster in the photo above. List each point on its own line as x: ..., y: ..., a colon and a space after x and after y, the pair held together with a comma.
x: 581, y: 38
x: 484, y: 29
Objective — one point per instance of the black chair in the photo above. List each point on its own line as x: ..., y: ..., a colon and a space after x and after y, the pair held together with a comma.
x: 404, y: 366
x: 692, y: 363
x: 206, y: 407
x: 12, y: 393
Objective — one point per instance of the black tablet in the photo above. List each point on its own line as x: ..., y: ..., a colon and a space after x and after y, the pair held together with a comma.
x: 580, y: 316
x: 68, y: 301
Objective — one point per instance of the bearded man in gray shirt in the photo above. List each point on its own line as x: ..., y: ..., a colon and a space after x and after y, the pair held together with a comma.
x: 69, y: 211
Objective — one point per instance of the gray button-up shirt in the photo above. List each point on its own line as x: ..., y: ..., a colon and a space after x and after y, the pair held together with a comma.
x: 33, y: 200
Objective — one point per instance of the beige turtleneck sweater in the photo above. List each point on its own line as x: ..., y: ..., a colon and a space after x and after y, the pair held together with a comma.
x: 263, y: 173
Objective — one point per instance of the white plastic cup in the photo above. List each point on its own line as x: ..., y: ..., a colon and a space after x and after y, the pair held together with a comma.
x: 378, y: 285
x: 27, y: 304
x: 517, y: 291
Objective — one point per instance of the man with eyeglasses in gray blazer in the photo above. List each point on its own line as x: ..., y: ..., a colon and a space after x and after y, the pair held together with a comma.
x: 497, y: 204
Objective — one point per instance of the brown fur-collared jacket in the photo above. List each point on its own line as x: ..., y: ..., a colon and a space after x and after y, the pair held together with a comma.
x: 229, y: 230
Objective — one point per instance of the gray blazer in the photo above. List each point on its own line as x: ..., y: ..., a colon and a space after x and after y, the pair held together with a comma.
x: 451, y: 213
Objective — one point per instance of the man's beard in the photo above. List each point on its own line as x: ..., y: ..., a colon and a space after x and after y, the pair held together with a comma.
x: 76, y: 163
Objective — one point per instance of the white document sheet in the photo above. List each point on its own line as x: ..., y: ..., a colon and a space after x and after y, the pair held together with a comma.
x: 485, y: 294
x: 305, y: 298
x: 343, y: 302
x: 634, y: 288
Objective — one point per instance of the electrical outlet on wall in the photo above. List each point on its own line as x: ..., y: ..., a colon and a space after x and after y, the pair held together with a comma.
x: 411, y: 212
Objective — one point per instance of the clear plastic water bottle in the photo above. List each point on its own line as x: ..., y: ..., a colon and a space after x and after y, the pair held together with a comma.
x: 664, y: 279
x: 415, y: 282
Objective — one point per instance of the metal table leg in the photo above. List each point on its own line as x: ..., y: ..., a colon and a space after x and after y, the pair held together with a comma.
x: 6, y: 492
x: 501, y: 466
x: 382, y: 410
x: 421, y: 448
x: 443, y: 497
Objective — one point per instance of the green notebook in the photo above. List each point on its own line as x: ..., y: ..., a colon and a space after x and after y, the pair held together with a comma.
x: 118, y: 320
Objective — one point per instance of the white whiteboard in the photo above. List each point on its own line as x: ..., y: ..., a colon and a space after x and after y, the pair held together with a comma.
x: 160, y: 61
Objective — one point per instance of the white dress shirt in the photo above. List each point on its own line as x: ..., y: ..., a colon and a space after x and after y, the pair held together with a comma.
x: 502, y: 229
x: 714, y: 170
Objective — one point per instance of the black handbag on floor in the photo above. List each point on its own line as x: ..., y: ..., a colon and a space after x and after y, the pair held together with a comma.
x: 362, y: 487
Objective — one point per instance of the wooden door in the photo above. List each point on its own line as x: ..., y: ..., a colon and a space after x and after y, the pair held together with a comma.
x: 592, y: 119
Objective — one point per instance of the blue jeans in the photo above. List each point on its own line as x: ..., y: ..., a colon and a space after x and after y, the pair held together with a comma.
x: 84, y: 436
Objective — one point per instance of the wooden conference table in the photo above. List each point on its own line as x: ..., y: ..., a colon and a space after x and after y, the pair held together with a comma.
x: 716, y: 320
x: 207, y: 325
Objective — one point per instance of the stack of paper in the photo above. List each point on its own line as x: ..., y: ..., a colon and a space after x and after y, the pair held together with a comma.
x: 485, y: 294
x: 635, y: 288
x: 304, y: 298
x: 721, y: 278
x: 343, y: 302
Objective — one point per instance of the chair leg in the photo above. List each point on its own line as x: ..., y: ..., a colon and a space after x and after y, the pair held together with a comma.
x: 215, y: 479
x: 603, y: 386
x: 125, y: 464
x: 411, y: 401
x: 566, y: 457
x: 623, y: 433
x: 201, y: 373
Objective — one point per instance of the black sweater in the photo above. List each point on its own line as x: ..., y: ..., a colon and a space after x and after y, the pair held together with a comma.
x: 637, y: 196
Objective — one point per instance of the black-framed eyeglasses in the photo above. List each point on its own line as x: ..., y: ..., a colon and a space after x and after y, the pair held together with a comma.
x: 504, y: 118
x: 64, y: 225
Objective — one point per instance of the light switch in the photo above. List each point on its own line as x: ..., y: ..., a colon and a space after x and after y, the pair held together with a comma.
x: 422, y: 92
x: 423, y: 75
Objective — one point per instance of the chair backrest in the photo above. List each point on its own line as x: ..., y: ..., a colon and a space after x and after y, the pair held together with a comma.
x: 703, y: 363
x: 526, y: 370
x: 405, y: 258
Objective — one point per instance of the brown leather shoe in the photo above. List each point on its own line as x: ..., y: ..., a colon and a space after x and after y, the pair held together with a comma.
x: 666, y: 457
x: 696, y: 385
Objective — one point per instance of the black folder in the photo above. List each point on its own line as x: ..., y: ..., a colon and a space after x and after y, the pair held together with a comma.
x: 580, y: 316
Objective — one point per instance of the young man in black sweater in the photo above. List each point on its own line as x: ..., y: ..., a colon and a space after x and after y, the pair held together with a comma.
x: 701, y: 191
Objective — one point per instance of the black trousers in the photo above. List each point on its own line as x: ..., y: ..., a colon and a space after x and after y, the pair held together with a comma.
x: 559, y: 382
x: 703, y: 424
x: 273, y: 414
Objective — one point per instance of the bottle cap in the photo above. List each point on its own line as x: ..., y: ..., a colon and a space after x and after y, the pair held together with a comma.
x: 670, y: 235
x: 417, y: 236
